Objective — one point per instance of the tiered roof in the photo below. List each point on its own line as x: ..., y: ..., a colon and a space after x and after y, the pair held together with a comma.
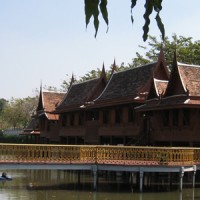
x: 48, y: 101
x: 183, y: 89
x: 80, y: 94
x: 132, y: 85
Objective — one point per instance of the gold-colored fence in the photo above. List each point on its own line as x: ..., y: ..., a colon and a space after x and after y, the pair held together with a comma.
x: 83, y: 154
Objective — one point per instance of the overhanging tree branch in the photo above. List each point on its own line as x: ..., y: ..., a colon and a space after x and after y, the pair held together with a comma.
x: 94, y: 7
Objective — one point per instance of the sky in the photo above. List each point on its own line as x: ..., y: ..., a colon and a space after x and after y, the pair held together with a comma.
x: 45, y: 41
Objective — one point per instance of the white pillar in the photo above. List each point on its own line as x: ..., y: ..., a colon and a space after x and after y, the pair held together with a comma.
x: 194, y: 174
x: 181, y: 178
x: 94, y: 170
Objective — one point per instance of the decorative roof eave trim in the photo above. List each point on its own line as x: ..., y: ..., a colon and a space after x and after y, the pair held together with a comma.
x: 105, y: 87
x: 108, y: 103
x: 175, y: 72
x: 155, y: 86
x: 94, y: 88
x: 185, y: 89
x: 187, y: 65
x: 43, y: 101
x: 174, y: 96
x: 166, y: 107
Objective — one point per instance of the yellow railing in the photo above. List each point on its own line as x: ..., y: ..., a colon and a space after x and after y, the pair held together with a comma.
x: 126, y: 155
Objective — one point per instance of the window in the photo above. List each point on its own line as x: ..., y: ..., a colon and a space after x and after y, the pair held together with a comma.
x: 186, y: 117
x: 175, y: 117
x: 48, y: 125
x: 131, y: 115
x: 166, y: 118
x: 80, y: 119
x: 71, y: 119
x: 64, y: 120
x: 42, y: 124
x: 118, y: 115
x: 105, y: 116
x: 92, y: 115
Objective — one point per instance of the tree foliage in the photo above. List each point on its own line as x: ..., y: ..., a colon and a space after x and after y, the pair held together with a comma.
x: 17, y: 112
x: 3, y: 102
x: 188, y: 51
x: 94, y: 7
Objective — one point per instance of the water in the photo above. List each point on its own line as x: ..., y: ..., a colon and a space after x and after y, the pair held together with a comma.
x: 63, y: 185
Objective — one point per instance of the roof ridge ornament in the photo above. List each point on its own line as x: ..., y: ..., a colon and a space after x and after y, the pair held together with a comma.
x: 72, y: 80
x: 114, y: 67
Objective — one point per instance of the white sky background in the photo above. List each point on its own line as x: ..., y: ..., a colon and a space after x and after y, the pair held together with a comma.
x: 43, y: 40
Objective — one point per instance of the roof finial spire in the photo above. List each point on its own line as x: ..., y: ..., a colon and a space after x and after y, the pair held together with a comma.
x: 114, y: 67
x: 72, y: 80
x: 103, y: 72
x: 175, y: 57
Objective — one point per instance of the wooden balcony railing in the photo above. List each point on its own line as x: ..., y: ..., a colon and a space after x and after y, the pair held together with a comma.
x: 83, y: 154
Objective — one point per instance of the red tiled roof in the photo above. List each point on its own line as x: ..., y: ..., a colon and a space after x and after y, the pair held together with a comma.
x: 160, y: 86
x: 183, y: 89
x: 48, y: 101
x: 190, y: 75
x: 51, y: 100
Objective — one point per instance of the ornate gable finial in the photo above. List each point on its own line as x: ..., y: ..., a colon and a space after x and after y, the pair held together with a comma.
x: 114, y: 67
x: 161, y: 71
x: 103, y: 72
x: 175, y: 57
x: 40, y: 85
x: 72, y: 80
x: 161, y: 56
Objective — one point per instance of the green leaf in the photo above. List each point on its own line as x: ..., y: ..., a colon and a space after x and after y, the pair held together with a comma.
x: 104, y: 12
x: 96, y: 21
x: 91, y: 9
x: 160, y: 26
x: 157, y: 5
x: 133, y: 4
x: 96, y: 15
x: 88, y: 11
x: 149, y: 9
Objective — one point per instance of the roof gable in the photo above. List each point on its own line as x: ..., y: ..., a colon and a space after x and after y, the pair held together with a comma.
x: 190, y: 76
x: 127, y: 83
x: 47, y: 103
x: 40, y: 102
x: 80, y: 93
x: 161, y: 71
x: 51, y: 100
x: 157, y: 89
x: 175, y: 85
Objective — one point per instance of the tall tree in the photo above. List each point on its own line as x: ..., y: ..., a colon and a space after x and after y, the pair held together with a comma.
x: 3, y: 102
x: 17, y: 112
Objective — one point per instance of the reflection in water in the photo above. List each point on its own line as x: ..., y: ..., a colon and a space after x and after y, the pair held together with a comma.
x: 58, y: 185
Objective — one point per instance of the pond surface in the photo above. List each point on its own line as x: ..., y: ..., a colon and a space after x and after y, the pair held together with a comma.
x: 60, y: 185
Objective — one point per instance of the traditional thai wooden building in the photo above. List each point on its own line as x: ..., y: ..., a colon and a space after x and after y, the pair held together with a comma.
x: 97, y: 112
x: 173, y: 108
x: 118, y: 123
x: 75, y: 120
x: 48, y: 121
